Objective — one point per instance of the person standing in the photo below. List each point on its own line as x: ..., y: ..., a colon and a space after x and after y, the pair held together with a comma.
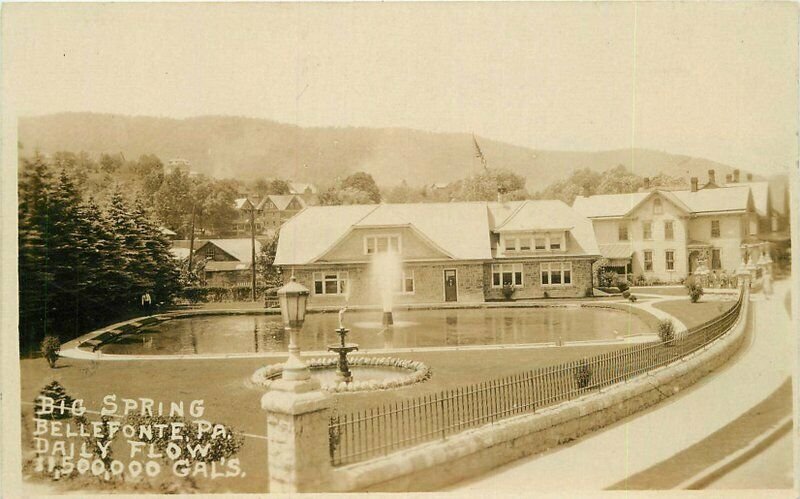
x: 767, y: 284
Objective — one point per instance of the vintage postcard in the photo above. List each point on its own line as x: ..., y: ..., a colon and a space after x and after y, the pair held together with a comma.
x: 517, y: 249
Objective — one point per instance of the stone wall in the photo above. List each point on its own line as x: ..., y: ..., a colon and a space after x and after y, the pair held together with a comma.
x: 437, y: 464
x: 428, y: 284
x: 532, y: 282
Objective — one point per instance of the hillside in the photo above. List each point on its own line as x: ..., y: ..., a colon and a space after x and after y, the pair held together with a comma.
x: 247, y: 148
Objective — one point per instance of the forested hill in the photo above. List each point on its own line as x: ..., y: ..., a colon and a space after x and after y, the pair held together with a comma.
x: 246, y: 148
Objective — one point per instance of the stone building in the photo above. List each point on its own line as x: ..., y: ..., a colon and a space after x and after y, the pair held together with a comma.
x: 447, y: 252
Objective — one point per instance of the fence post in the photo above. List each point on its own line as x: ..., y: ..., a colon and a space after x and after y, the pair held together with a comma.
x: 298, y: 415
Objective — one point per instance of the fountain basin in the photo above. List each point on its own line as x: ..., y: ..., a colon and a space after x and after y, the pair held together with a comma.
x: 369, y: 373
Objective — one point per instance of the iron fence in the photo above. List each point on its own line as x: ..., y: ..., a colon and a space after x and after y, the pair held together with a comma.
x: 382, y: 430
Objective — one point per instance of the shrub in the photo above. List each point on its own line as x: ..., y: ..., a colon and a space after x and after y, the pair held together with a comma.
x: 623, y: 285
x: 640, y: 280
x: 219, y: 446
x: 607, y: 279
x: 51, y: 347
x: 583, y: 374
x: 626, y: 294
x: 55, y: 391
x: 695, y: 289
x: 632, y: 297
x: 508, y: 291
x: 666, y: 330
x: 194, y: 294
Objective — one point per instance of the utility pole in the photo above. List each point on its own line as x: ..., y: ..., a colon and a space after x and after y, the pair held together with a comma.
x: 253, y: 251
x: 191, y: 240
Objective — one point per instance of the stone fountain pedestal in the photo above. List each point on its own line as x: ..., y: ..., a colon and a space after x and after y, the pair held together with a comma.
x: 343, y: 348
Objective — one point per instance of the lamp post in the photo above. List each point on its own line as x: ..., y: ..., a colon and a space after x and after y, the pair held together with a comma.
x: 293, y: 298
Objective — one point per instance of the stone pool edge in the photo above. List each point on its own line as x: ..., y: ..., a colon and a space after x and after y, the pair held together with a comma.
x: 76, y: 348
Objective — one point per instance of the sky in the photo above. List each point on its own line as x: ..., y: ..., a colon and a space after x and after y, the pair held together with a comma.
x: 716, y: 80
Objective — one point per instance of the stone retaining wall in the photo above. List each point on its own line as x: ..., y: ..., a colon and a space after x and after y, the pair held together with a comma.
x: 437, y: 464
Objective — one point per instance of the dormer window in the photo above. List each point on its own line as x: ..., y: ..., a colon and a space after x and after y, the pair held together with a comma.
x: 510, y: 244
x: 381, y: 244
x: 555, y: 243
x: 525, y: 244
x: 541, y: 243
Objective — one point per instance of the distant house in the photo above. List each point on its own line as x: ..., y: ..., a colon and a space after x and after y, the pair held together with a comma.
x: 450, y: 252
x: 228, y: 262
x: 277, y: 209
x: 308, y: 192
x: 241, y: 224
x: 169, y: 234
x: 666, y: 235
x: 271, y: 212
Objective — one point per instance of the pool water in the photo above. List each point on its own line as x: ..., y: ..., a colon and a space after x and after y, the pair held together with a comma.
x: 218, y: 334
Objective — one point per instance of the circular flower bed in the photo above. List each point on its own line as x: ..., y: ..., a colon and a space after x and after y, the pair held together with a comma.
x: 418, y: 372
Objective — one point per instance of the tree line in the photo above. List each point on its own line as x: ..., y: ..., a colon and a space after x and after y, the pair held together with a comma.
x: 84, y: 263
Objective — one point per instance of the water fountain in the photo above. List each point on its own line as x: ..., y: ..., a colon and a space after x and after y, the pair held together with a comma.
x: 343, y: 368
x: 387, y: 273
x: 373, y: 373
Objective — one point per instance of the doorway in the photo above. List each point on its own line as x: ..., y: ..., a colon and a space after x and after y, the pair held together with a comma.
x: 450, y: 285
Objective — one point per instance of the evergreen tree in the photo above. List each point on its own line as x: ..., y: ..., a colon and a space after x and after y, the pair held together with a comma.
x: 35, y: 277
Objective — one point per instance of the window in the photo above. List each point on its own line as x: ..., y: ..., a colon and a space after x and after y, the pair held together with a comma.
x: 669, y: 230
x: 670, y: 259
x: 556, y: 273
x: 622, y: 232
x: 648, y: 260
x: 510, y: 243
x: 716, y: 260
x: 506, y: 274
x: 657, y: 208
x: 330, y: 283
x: 525, y: 244
x: 381, y: 244
x: 541, y: 243
x: 406, y: 283
x: 647, y: 230
x: 715, y: 228
x: 210, y: 251
x: 555, y: 241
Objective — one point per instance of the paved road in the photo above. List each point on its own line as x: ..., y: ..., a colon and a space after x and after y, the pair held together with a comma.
x: 668, y: 446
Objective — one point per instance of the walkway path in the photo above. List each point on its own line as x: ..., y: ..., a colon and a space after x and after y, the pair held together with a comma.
x: 608, y: 458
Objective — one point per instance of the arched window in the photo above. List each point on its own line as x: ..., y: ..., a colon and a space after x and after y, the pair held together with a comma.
x: 657, y: 206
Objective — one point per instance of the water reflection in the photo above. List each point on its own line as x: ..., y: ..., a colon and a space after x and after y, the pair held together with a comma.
x: 423, y: 328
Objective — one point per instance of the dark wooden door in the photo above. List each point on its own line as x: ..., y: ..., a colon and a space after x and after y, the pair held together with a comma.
x: 450, y: 286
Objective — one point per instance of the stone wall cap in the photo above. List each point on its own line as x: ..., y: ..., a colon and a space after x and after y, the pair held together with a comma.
x: 293, y: 403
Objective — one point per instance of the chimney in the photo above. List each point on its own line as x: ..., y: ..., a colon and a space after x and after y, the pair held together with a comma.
x: 749, y: 177
x: 647, y: 182
x: 711, y: 179
x: 694, y: 184
x: 736, y: 175
x: 728, y: 178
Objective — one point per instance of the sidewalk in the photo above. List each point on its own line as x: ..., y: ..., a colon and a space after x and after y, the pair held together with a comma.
x: 606, y: 458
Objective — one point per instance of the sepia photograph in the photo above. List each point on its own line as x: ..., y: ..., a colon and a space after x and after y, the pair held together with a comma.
x: 451, y: 248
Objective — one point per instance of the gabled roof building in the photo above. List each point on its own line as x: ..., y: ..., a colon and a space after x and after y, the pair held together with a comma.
x: 459, y: 252
x: 666, y: 235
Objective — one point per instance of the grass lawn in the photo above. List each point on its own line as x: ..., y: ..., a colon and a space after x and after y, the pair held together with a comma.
x: 693, y: 314
x: 223, y: 385
x: 229, y: 398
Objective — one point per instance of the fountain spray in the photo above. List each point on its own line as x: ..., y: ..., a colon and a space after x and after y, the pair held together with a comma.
x: 386, y: 273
